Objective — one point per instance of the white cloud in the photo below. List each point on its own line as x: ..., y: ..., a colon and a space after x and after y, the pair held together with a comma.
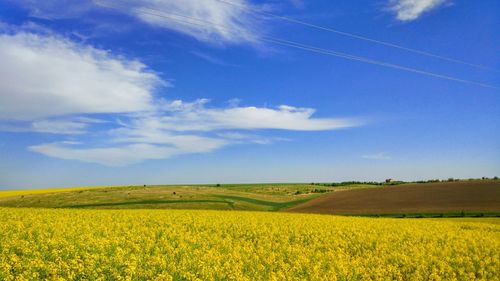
x: 196, y: 117
x: 237, y: 137
x: 110, y: 156
x: 185, y: 128
x: 408, y: 10
x: 377, y: 156
x: 49, y: 84
x: 68, y: 127
x: 208, y: 21
x: 154, y: 135
x: 45, y: 75
x: 129, y: 146
x: 210, y: 58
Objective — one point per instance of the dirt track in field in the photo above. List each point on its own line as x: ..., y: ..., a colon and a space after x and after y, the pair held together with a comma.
x: 482, y: 196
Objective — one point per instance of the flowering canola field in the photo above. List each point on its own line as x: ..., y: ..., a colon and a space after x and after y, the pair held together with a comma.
x: 62, y: 244
x: 20, y: 192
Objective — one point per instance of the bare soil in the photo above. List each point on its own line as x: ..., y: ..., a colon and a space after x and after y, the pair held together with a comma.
x: 442, y: 197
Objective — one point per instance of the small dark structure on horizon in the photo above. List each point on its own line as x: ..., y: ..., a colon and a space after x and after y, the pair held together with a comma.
x: 389, y: 180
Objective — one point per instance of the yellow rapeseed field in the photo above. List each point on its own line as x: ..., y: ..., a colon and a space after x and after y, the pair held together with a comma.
x: 61, y: 244
x: 20, y: 192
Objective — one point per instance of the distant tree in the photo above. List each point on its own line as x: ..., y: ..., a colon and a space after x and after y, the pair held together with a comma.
x: 495, y: 178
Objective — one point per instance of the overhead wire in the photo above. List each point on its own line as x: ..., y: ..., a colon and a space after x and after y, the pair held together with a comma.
x: 202, y: 23
x: 352, y: 35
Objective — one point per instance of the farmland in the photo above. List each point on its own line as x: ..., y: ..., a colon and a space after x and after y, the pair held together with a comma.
x: 457, y: 198
x: 215, y: 245
x: 259, y: 197
x: 477, y: 196
x: 21, y: 192
x: 209, y: 233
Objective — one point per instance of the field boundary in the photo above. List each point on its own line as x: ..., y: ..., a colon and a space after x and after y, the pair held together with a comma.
x: 429, y: 215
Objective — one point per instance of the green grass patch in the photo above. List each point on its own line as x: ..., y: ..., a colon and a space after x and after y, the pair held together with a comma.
x: 144, y: 202
x: 275, y: 206
x: 259, y: 197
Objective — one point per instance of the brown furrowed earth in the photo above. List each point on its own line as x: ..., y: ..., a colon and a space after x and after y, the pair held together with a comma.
x: 442, y: 197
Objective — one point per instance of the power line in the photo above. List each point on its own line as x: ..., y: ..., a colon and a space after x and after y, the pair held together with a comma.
x: 355, y: 36
x: 375, y: 62
x: 283, y: 42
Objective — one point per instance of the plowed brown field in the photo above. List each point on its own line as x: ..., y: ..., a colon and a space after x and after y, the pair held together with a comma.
x: 480, y: 195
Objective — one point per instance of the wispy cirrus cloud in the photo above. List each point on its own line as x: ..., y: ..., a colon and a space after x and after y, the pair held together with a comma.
x: 210, y: 58
x: 213, y: 22
x: 409, y: 10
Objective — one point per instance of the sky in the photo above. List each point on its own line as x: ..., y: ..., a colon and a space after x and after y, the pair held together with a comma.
x: 119, y: 92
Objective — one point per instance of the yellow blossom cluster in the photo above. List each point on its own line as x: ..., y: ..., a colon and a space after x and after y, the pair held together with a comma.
x: 63, y: 244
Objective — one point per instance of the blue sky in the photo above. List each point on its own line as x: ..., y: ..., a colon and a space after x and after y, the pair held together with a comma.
x: 131, y: 92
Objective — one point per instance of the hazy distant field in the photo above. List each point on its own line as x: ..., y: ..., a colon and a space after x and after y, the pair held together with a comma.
x: 21, y: 192
x: 58, y: 244
x: 265, y: 197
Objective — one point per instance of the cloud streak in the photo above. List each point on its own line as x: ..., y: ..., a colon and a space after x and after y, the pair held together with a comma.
x: 409, y: 10
x: 67, y: 127
x: 109, y: 156
x: 377, y: 156
x: 211, y: 22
